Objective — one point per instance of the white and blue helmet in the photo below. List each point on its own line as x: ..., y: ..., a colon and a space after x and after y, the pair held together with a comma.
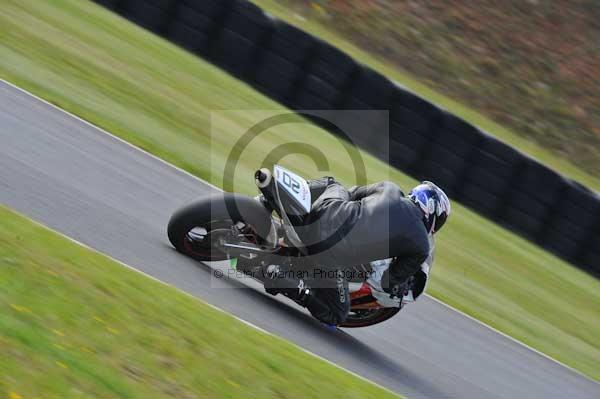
x: 433, y: 202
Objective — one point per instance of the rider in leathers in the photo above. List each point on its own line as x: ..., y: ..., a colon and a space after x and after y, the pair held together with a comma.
x: 361, y: 225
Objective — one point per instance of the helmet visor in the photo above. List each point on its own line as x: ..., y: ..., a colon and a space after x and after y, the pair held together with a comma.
x: 439, y: 222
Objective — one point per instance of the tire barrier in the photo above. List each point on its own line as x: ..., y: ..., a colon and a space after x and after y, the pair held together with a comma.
x: 303, y: 72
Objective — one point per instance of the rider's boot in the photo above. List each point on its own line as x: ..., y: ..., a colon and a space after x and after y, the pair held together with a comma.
x: 320, y: 309
x: 279, y: 281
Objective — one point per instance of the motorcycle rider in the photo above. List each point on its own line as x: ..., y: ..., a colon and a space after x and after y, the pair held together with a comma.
x: 361, y: 225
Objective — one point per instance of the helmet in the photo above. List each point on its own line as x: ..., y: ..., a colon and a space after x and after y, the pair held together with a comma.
x: 433, y: 202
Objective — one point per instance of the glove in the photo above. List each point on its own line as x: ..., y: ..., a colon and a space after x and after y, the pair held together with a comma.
x: 393, y: 286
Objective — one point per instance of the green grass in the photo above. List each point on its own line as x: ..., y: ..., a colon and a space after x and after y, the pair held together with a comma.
x: 74, y: 323
x: 159, y: 98
x: 283, y: 11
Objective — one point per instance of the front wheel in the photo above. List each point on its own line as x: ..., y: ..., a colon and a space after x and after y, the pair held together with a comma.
x: 200, y: 228
x: 368, y: 317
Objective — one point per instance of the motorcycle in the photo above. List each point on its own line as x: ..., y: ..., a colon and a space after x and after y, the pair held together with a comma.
x: 251, y: 232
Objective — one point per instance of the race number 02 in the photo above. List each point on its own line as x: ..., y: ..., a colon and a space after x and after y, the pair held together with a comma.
x: 292, y: 183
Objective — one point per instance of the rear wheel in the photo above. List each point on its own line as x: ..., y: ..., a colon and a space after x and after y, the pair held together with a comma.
x: 201, y: 228
x: 368, y: 317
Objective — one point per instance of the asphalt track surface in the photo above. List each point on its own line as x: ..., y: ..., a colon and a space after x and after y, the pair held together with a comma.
x: 98, y: 190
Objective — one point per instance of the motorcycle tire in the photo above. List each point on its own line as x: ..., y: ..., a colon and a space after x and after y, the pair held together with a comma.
x: 214, y: 214
x: 369, y: 318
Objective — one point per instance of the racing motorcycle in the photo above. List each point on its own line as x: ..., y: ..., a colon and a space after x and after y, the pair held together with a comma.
x: 251, y: 232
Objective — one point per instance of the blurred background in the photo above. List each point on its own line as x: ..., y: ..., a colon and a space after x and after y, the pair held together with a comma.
x: 532, y: 66
x: 498, y: 102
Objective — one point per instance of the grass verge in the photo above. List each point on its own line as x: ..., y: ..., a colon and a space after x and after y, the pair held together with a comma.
x: 158, y: 97
x: 73, y: 322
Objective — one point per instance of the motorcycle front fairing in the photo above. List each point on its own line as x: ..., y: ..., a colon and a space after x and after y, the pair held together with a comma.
x: 417, y: 287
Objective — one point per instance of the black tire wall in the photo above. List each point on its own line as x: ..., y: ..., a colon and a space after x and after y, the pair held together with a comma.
x: 303, y: 72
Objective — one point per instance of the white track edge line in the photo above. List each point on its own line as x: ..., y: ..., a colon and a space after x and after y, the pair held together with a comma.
x: 198, y: 299
x: 481, y: 323
x: 220, y: 189
x: 246, y: 322
x: 127, y: 143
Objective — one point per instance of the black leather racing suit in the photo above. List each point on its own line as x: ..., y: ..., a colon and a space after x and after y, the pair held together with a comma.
x: 357, y: 226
